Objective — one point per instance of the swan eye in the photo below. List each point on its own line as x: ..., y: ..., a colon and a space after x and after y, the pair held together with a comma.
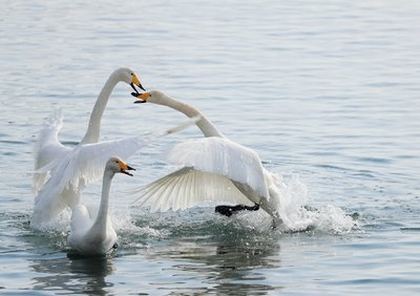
x: 131, y: 74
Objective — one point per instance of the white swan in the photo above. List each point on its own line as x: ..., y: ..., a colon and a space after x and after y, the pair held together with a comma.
x: 49, y: 147
x: 78, y: 167
x: 96, y: 236
x: 215, y: 169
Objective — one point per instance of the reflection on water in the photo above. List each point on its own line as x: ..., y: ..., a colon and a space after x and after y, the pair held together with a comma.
x: 230, y: 266
x: 226, y: 261
x: 79, y: 275
x: 227, y: 256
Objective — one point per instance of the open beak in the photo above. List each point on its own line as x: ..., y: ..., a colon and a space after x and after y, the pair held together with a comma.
x: 142, y: 98
x: 135, y: 81
x: 125, y: 167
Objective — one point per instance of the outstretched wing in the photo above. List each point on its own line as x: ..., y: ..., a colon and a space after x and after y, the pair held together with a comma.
x: 223, y: 157
x: 85, y: 164
x: 187, y: 188
x: 215, y: 170
x: 47, y: 148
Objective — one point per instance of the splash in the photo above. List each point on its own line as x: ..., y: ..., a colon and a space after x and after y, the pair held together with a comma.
x: 298, y: 216
x: 60, y: 224
x: 295, y: 210
x: 136, y: 227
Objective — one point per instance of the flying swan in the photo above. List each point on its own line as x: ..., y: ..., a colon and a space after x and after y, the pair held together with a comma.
x: 90, y: 236
x: 214, y: 169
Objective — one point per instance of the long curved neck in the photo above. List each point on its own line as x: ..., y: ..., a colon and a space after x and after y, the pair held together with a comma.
x: 93, y: 131
x: 205, y: 125
x: 100, y: 224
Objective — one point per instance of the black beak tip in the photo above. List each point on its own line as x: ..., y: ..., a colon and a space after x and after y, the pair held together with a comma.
x: 141, y: 86
x: 127, y: 173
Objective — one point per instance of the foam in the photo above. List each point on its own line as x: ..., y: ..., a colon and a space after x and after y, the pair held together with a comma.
x: 297, y: 216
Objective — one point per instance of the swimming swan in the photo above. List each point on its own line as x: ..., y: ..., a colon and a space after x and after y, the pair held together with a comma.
x: 90, y: 236
x: 215, y: 169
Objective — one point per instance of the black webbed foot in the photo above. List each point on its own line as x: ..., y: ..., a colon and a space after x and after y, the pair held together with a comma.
x: 230, y: 210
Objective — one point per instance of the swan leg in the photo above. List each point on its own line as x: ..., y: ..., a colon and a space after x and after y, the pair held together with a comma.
x: 230, y: 210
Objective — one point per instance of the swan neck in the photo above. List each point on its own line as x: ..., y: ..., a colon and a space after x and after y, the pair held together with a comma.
x: 94, y: 126
x: 204, y: 124
x: 100, y: 224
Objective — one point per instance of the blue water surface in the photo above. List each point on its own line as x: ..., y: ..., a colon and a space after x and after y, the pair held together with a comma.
x: 327, y: 92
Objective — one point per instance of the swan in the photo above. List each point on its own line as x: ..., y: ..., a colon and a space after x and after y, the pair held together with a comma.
x: 214, y: 169
x: 49, y: 148
x: 90, y: 236
x: 80, y: 166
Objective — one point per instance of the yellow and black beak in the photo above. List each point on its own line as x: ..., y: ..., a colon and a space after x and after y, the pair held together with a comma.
x: 125, y: 167
x: 135, y: 81
x: 142, y: 98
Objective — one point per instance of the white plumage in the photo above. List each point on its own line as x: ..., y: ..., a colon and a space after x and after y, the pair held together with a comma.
x: 92, y: 234
x: 82, y: 165
x: 222, y: 157
x: 48, y: 148
x: 187, y: 188
x: 70, y: 168
x: 215, y: 170
x: 79, y: 167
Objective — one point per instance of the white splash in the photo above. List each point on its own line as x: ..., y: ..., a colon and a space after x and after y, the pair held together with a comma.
x: 298, y: 217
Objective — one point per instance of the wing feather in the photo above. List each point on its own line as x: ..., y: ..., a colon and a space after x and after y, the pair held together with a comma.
x: 82, y: 165
x: 188, y: 187
x: 223, y: 157
x: 47, y: 148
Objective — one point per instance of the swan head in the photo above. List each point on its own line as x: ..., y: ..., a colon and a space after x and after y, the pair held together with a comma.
x: 130, y: 77
x: 153, y: 96
x: 116, y: 165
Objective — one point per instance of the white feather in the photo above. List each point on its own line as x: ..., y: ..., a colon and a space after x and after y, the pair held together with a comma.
x: 187, y: 188
x: 222, y: 157
x: 214, y: 155
x: 86, y: 162
x: 82, y: 165
x: 79, y: 167
x: 48, y: 148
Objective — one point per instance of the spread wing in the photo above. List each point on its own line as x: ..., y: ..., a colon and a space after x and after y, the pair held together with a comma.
x: 214, y: 169
x: 222, y: 157
x: 84, y: 164
x: 187, y: 188
x: 48, y: 148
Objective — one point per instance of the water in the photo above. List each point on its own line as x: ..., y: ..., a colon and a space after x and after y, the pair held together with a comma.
x: 327, y: 93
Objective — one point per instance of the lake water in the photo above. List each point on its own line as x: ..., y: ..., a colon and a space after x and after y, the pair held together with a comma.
x: 327, y: 92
